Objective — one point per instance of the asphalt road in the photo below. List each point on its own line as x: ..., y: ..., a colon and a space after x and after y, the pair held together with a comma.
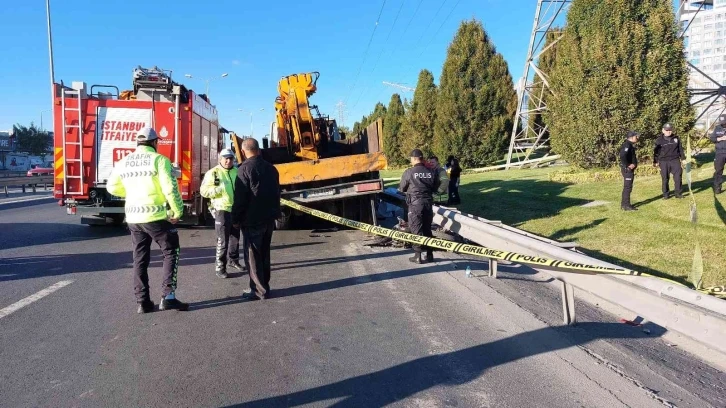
x: 347, y: 326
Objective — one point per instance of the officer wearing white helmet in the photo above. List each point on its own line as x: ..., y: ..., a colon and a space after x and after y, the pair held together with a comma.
x: 218, y: 186
x: 145, y: 179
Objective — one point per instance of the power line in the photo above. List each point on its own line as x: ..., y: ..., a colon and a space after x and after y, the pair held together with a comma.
x: 429, y: 25
x: 375, y: 65
x: 442, y: 25
x: 365, y: 54
x: 405, y: 30
x: 412, y: 17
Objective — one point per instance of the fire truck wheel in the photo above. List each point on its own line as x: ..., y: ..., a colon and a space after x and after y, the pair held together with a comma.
x: 117, y: 219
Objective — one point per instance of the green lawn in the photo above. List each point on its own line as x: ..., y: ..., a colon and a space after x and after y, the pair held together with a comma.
x: 658, y: 239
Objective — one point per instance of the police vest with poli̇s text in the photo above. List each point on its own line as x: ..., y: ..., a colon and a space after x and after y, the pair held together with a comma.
x: 419, y: 183
x: 218, y: 186
x: 144, y: 178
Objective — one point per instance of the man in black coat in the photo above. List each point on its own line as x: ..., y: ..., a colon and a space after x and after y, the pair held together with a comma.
x: 256, y: 206
x: 719, y: 138
x: 628, y: 164
x: 419, y: 184
x: 669, y: 155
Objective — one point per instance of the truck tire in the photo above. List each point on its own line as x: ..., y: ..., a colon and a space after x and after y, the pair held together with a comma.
x: 117, y: 220
x: 201, y: 213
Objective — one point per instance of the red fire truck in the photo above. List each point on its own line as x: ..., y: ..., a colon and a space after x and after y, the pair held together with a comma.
x: 95, y: 128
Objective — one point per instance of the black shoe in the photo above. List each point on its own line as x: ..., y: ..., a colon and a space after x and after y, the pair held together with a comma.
x: 718, y: 191
x: 429, y: 256
x: 222, y: 274
x: 147, y: 306
x: 249, y: 295
x: 666, y: 196
x: 679, y: 195
x: 236, y: 265
x: 172, y: 304
x: 629, y: 208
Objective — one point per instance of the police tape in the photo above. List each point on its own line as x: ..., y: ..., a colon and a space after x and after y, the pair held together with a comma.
x: 477, y: 250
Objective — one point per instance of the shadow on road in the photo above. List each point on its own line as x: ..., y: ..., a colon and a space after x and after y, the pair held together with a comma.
x: 24, y: 203
x: 396, y: 383
x: 295, y: 245
x: 16, y: 235
x: 324, y: 286
x: 277, y: 266
x: 18, y: 268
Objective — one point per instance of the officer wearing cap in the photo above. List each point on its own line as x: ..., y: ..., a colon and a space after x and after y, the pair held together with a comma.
x: 218, y: 186
x: 419, y: 184
x: 668, y: 154
x: 718, y: 136
x: 144, y: 178
x: 628, y: 164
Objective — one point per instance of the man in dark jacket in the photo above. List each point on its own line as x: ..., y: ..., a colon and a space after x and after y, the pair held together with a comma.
x: 256, y: 206
x: 719, y: 138
x: 668, y: 154
x: 419, y: 184
x: 628, y: 164
x: 452, y: 164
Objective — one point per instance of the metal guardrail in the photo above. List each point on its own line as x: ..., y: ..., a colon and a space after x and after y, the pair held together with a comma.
x: 690, y: 313
x: 25, y: 181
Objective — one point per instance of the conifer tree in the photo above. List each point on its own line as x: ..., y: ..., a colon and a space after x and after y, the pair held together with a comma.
x: 418, y: 127
x: 392, y: 129
x: 476, y: 101
x: 619, y: 66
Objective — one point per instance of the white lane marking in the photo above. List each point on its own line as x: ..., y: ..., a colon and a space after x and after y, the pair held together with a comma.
x: 29, y: 199
x: 32, y: 298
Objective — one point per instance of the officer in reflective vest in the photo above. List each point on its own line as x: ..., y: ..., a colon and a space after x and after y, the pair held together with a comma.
x: 144, y: 178
x: 218, y: 186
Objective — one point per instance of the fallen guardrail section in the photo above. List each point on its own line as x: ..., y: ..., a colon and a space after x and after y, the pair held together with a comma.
x: 690, y: 313
x: 693, y: 314
x: 25, y: 181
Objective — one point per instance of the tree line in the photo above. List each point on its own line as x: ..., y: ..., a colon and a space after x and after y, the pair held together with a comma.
x: 615, y: 66
x: 32, y: 140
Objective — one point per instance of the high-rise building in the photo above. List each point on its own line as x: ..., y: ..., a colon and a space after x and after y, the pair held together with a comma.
x: 704, y: 22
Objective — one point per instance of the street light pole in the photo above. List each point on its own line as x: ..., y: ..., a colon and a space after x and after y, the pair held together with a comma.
x: 50, y: 58
x: 252, y: 126
x: 206, y: 92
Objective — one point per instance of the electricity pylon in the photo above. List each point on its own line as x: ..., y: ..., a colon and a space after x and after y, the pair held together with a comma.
x: 528, y: 136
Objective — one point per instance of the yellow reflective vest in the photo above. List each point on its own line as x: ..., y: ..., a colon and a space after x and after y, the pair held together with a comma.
x: 221, y: 193
x: 144, y: 178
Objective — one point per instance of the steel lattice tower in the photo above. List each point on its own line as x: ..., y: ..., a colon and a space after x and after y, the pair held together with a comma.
x: 533, y: 85
x: 708, y: 95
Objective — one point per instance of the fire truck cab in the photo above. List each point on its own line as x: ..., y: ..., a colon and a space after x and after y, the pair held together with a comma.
x: 95, y: 128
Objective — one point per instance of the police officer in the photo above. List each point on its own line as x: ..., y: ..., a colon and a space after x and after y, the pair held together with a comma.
x: 218, y: 186
x: 452, y: 165
x: 628, y: 164
x: 719, y: 138
x: 419, y: 184
x: 145, y: 179
x: 668, y: 154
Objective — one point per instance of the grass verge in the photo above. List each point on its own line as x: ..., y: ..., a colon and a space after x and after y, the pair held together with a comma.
x: 658, y: 239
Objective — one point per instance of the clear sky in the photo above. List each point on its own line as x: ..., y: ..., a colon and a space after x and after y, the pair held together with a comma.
x: 255, y: 42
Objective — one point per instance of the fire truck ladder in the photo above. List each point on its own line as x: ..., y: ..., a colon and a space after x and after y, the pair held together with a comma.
x: 74, y: 111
